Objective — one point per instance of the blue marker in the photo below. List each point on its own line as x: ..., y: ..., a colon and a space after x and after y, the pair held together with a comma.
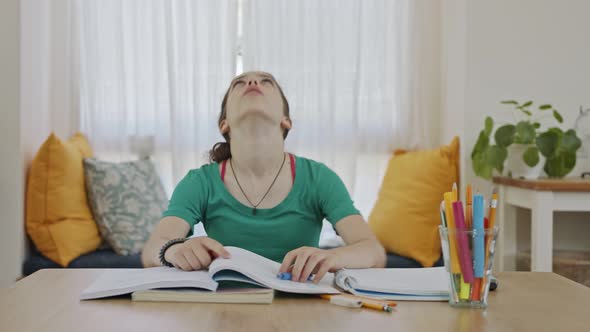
x: 288, y: 276
x: 478, y: 241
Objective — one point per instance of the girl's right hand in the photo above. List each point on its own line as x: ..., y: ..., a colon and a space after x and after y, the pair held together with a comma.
x: 195, y: 253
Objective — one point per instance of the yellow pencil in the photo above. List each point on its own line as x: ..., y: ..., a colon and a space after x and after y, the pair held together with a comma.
x: 455, y: 267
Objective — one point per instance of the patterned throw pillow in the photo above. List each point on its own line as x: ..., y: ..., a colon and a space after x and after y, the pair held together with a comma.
x: 127, y: 200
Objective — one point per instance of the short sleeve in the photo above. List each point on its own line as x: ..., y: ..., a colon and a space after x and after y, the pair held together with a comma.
x: 333, y: 197
x: 189, y: 198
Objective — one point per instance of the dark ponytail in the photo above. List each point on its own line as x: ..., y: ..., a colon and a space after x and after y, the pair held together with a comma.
x: 221, y: 151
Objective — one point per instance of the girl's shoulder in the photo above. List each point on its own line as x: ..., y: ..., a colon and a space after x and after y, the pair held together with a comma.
x: 206, y: 171
x: 311, y: 167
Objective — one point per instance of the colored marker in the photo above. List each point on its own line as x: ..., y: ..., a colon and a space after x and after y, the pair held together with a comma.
x: 289, y: 276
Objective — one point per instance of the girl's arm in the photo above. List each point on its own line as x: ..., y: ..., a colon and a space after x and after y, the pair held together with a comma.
x: 362, y: 250
x: 167, y: 229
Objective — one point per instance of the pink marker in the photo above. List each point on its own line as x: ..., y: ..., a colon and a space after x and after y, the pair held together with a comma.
x: 463, y: 243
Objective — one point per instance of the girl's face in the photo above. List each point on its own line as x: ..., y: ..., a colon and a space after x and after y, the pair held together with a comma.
x: 254, y: 94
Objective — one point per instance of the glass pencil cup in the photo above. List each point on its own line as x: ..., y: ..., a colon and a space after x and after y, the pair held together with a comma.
x: 469, y: 259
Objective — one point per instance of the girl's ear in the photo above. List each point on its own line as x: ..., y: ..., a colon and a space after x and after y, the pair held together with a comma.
x: 286, y: 123
x: 223, y: 127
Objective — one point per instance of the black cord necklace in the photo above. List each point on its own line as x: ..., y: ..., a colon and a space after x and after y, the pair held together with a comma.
x: 263, y: 197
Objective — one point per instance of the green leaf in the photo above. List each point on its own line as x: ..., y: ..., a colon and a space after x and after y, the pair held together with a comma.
x: 545, y: 107
x: 569, y: 160
x: 504, y: 135
x: 481, y: 168
x: 481, y: 145
x: 547, y: 143
x: 531, y: 156
x: 557, y: 116
x: 525, y: 132
x: 570, y: 142
x: 556, y: 130
x: 554, y: 166
x: 509, y: 102
x: 527, y: 104
x: 489, y: 125
x: 560, y: 165
x: 537, y: 125
x: 526, y: 112
x: 495, y: 157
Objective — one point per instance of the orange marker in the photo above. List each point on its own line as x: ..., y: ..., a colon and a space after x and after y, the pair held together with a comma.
x: 476, y: 290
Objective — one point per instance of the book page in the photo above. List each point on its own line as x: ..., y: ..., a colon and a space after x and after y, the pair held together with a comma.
x: 418, y: 281
x: 113, y: 282
x: 264, y: 271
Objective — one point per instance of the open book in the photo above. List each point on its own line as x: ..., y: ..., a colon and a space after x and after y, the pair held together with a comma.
x: 243, y: 266
x: 420, y: 284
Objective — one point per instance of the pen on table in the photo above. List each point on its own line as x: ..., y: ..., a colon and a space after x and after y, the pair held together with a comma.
x: 353, y: 301
x: 377, y: 306
x: 289, y: 276
x: 368, y: 299
x: 342, y: 300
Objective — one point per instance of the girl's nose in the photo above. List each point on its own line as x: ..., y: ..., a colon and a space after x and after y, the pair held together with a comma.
x: 250, y: 82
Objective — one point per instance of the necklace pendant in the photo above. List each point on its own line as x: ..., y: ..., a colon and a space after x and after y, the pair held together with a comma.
x: 254, y: 211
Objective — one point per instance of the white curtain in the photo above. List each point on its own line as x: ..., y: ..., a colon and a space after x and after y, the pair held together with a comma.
x: 155, y: 68
x: 360, y: 76
x: 48, y: 73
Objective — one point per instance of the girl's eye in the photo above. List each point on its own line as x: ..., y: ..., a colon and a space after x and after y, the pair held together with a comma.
x: 266, y: 80
x: 238, y: 82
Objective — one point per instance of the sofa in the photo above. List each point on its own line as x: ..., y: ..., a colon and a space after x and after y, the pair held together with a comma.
x: 107, y: 258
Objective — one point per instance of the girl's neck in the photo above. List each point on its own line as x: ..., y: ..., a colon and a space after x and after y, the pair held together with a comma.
x: 257, y: 150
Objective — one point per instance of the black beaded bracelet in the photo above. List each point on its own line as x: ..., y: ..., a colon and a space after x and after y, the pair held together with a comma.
x: 165, y: 247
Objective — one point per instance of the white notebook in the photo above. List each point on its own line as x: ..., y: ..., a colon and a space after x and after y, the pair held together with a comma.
x: 421, y: 284
x: 243, y: 266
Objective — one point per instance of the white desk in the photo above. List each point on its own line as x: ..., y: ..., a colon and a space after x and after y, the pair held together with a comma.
x: 542, y: 197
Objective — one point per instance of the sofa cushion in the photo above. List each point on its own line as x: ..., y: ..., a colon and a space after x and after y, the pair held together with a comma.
x: 99, y: 259
x: 58, y: 218
x: 406, y: 216
x: 127, y: 201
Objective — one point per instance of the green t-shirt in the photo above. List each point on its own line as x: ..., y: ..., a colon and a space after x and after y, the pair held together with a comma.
x: 317, y: 193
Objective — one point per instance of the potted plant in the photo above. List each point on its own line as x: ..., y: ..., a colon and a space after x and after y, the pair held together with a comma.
x: 525, y: 143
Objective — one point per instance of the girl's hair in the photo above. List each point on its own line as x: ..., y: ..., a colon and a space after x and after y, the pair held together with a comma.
x: 221, y: 151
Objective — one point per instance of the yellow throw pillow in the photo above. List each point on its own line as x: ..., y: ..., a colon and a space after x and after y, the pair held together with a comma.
x: 406, y: 216
x: 58, y: 218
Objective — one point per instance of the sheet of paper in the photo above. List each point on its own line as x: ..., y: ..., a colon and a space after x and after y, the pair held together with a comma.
x: 264, y: 271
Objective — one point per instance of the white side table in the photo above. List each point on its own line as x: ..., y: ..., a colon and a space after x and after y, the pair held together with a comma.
x: 542, y: 197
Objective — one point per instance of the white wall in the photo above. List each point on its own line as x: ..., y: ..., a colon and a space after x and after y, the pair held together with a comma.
x: 526, y: 49
x: 11, y: 170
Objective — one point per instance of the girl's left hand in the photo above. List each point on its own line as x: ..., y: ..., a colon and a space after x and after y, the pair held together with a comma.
x: 304, y: 261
